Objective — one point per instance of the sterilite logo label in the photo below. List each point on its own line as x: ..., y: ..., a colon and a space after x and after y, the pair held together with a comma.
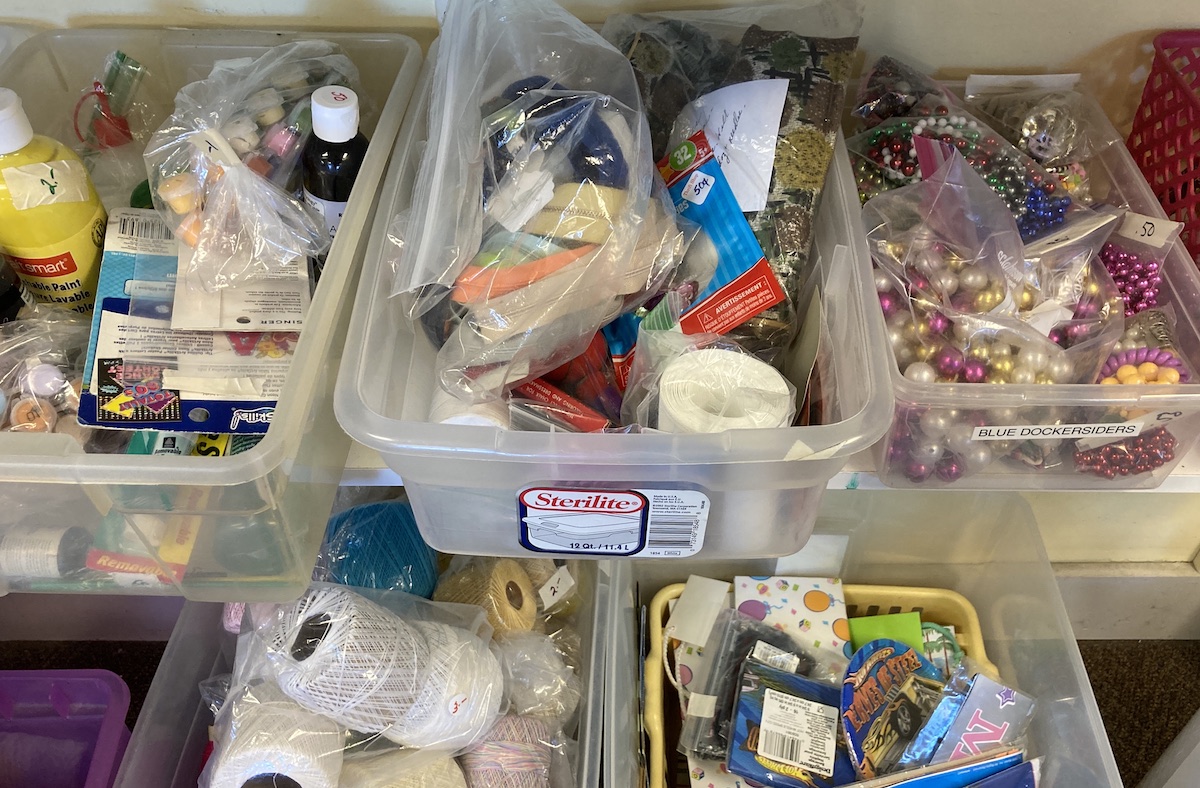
x: 59, y: 265
x: 582, y: 500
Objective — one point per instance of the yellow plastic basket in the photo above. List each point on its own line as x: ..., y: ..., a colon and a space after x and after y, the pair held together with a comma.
x: 937, y: 605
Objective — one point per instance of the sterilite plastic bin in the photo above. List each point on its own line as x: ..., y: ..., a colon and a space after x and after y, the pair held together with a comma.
x: 168, y: 743
x: 925, y: 412
x: 984, y: 546
x: 62, y: 728
x: 761, y: 486
x: 1165, y: 138
x: 258, y: 516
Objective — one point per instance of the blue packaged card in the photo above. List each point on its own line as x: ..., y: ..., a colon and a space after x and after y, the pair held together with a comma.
x: 888, y: 693
x: 785, y: 731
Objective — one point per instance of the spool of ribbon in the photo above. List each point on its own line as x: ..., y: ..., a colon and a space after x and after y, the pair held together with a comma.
x: 402, y: 769
x: 449, y: 409
x: 514, y: 754
x: 419, y: 683
x: 712, y: 390
x: 271, y: 740
x: 500, y: 586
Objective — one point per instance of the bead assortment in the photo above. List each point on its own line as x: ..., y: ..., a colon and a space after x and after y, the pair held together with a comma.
x: 890, y: 159
x: 1143, y: 365
x: 1138, y: 277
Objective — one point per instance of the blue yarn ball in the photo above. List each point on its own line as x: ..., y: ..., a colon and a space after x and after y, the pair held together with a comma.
x: 378, y: 545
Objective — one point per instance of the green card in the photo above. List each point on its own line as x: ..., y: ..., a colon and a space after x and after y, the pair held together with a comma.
x: 904, y: 627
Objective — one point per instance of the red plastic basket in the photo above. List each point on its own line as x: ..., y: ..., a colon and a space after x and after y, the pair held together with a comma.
x: 1165, y: 141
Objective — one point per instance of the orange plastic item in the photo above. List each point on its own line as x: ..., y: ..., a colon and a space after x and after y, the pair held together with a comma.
x: 477, y: 284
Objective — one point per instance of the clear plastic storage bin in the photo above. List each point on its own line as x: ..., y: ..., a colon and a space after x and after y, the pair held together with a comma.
x: 1173, y: 409
x: 168, y: 743
x: 758, y: 489
x: 984, y: 546
x: 257, y: 517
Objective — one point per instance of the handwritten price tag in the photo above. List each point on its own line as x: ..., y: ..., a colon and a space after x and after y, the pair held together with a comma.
x: 559, y: 587
x: 1149, y: 230
x: 697, y: 188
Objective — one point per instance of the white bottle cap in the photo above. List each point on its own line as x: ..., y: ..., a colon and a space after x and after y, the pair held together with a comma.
x: 15, y: 131
x: 335, y: 113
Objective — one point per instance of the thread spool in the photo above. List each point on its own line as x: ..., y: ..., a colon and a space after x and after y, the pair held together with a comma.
x: 402, y: 769
x: 449, y: 409
x: 378, y: 545
x: 537, y: 680
x: 231, y: 617
x: 714, y: 390
x: 271, y: 741
x: 498, y: 585
x: 514, y: 754
x: 420, y: 684
x: 43, y: 553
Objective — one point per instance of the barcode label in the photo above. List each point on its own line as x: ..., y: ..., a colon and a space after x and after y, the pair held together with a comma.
x: 798, y: 732
x: 143, y: 227
x: 627, y: 522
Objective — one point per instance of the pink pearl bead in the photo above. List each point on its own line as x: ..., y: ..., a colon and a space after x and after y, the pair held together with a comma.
x: 975, y: 371
x: 948, y: 361
x: 937, y: 323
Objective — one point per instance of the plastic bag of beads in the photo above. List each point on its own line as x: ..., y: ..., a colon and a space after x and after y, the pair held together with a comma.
x: 224, y: 168
x: 892, y: 88
x: 384, y: 664
x: 886, y: 157
x: 1135, y: 256
x: 41, y: 371
x: 781, y: 70
x: 1057, y: 128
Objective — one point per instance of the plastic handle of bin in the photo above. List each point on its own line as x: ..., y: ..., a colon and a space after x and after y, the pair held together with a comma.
x: 652, y: 714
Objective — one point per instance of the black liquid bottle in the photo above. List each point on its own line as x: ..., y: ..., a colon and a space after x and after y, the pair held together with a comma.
x: 332, y: 157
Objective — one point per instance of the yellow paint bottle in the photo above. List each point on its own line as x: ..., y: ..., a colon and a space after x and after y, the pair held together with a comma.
x: 51, y: 220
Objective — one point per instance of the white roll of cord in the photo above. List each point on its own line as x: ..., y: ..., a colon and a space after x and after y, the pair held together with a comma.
x: 713, y: 390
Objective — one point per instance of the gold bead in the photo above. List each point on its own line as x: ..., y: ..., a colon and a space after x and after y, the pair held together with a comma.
x: 997, y: 377
x: 1001, y: 350
x: 985, y: 301
x: 924, y: 352
x: 1109, y: 381
x: 1044, y: 378
x: 910, y: 333
x: 980, y: 351
x: 1004, y: 366
x: 1168, y: 375
x: 1093, y: 288
x: 1136, y: 380
x: 1027, y: 297
x: 1148, y: 370
x: 954, y: 262
x: 1126, y: 372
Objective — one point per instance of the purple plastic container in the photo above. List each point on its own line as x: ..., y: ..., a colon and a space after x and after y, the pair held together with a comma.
x: 61, y: 728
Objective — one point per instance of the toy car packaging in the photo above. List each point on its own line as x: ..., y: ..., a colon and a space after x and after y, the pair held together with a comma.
x: 888, y: 692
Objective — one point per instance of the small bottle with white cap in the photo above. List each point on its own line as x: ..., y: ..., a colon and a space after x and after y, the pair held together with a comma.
x: 333, y: 155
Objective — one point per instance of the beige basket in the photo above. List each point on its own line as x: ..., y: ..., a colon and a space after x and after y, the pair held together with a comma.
x: 937, y: 605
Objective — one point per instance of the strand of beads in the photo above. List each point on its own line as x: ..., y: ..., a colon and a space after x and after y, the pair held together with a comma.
x: 1129, y: 457
x: 1138, y: 277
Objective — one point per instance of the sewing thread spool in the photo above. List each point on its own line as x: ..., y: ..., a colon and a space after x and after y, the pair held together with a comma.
x: 271, y: 741
x: 419, y: 683
x: 402, y: 769
x: 43, y: 553
x: 514, y: 754
x: 500, y: 586
x: 378, y: 545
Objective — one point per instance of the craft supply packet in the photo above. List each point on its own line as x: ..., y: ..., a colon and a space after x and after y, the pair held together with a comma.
x: 140, y: 373
x: 744, y: 284
x: 785, y: 731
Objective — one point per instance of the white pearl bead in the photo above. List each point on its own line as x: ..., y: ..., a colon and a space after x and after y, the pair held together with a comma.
x: 1002, y: 417
x: 883, y: 281
x: 978, y: 457
x: 946, y: 282
x: 927, y: 451
x: 1023, y: 376
x: 895, y: 335
x: 905, y: 354
x: 920, y: 372
x: 1034, y: 358
x: 935, y: 423
x: 959, y: 438
x: 972, y: 278
x: 1061, y: 370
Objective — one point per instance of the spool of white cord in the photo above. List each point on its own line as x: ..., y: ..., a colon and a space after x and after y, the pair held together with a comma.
x: 402, y: 769
x: 271, y: 738
x: 419, y: 683
x: 449, y: 409
x: 714, y: 390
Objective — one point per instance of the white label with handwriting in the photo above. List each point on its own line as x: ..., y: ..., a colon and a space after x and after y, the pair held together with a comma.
x: 560, y: 586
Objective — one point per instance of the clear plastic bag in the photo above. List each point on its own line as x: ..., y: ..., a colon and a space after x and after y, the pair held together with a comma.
x: 891, y: 155
x: 401, y: 769
x: 537, y: 680
x: 378, y: 545
x: 41, y: 372
x: 703, y: 383
x: 734, y: 639
x: 535, y: 218
x: 520, y: 751
x: 1135, y: 255
x: 224, y: 171
x: 891, y: 89
x: 416, y: 673
x: 781, y: 71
